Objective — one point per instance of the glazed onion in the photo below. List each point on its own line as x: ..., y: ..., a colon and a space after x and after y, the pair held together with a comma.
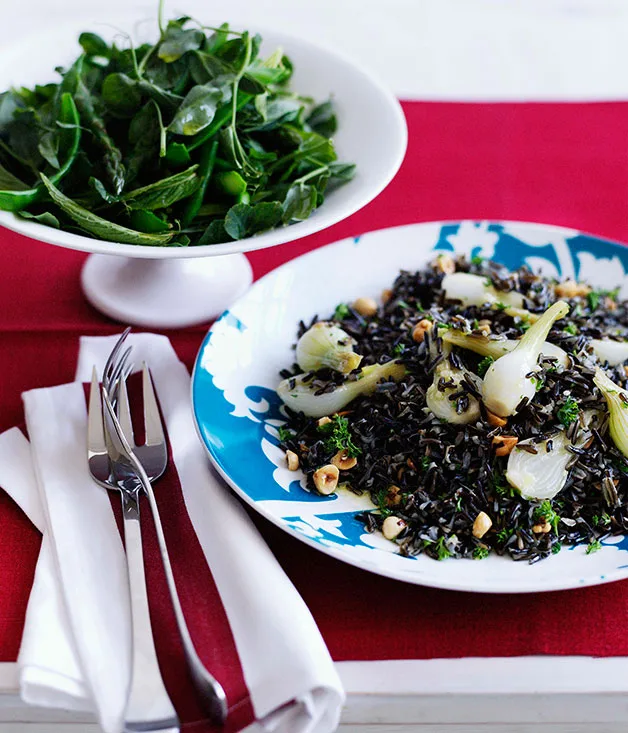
x: 300, y: 396
x: 507, y: 382
x: 327, y: 345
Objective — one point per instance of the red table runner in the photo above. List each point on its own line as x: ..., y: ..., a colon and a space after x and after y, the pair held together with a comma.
x: 555, y: 163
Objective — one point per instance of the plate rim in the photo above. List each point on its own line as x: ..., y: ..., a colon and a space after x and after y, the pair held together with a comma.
x: 339, y: 554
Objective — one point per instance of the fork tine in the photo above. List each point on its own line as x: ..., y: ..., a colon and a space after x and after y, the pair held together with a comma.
x: 118, y: 369
x: 123, y: 411
x: 152, y: 419
x: 109, y: 364
x: 95, y: 428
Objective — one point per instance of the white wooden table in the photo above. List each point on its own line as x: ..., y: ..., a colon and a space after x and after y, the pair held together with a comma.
x: 447, y: 50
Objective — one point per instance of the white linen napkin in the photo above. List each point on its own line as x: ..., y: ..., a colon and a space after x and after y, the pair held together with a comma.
x: 75, y: 647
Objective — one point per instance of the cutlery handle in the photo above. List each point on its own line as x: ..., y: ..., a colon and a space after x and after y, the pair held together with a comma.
x: 210, y: 691
x: 148, y: 707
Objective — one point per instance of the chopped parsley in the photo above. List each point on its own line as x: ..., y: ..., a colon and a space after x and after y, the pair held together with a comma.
x: 481, y: 552
x: 284, y: 433
x: 477, y: 260
x: 595, y: 296
x: 593, y: 547
x: 398, y: 349
x: 425, y: 462
x: 537, y: 382
x: 504, y: 535
x: 339, y: 436
x: 501, y: 306
x: 556, y: 548
x: 442, y: 551
x: 484, y: 365
x: 567, y: 412
x: 546, y: 513
x: 342, y: 311
x: 571, y: 329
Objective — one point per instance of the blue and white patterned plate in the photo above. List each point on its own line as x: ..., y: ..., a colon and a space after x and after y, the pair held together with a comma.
x: 237, y: 411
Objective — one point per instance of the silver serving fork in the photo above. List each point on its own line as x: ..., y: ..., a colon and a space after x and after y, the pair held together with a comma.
x: 153, y: 457
x: 148, y: 707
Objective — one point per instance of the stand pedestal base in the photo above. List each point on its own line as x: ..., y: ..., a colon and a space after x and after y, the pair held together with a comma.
x: 164, y: 293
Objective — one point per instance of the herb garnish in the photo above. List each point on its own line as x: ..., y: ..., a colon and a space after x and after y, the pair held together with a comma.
x: 545, y: 513
x: 284, y: 433
x: 567, y: 412
x: 593, y: 547
x: 195, y: 139
x: 342, y: 311
x: 595, y: 296
x: 484, y: 365
x: 339, y: 436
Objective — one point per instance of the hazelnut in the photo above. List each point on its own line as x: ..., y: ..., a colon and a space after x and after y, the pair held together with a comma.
x: 344, y: 461
x: 419, y: 331
x: 392, y: 527
x: 365, y: 307
x: 386, y: 295
x: 495, y: 420
x: 393, y: 496
x: 571, y: 289
x: 293, y: 460
x: 326, y: 479
x: 485, y: 326
x: 542, y: 528
x: 445, y: 264
x: 481, y: 525
x: 505, y: 444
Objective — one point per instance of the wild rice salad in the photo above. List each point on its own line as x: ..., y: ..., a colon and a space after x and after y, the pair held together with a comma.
x: 482, y: 410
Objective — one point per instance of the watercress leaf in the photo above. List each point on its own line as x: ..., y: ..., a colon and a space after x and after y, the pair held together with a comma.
x: 217, y: 39
x: 322, y: 119
x: 121, y: 94
x: 166, y: 75
x: 251, y: 85
x: 266, y: 215
x: 23, y: 138
x: 265, y: 74
x: 98, y: 186
x: 8, y: 105
x: 46, y: 218
x: 165, y: 192
x: 147, y: 221
x: 215, y: 233
x: 144, y: 136
x: 99, y: 227
x: 49, y: 149
x: 94, y: 45
x: 278, y: 112
x: 206, y: 67
x: 178, y: 41
x: 9, y: 182
x: 243, y: 220
x: 299, y: 203
x: 233, y: 50
x: 165, y: 99
x: 238, y: 220
x: 196, y: 111
x: 342, y: 171
x: 256, y: 44
x: 316, y: 146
